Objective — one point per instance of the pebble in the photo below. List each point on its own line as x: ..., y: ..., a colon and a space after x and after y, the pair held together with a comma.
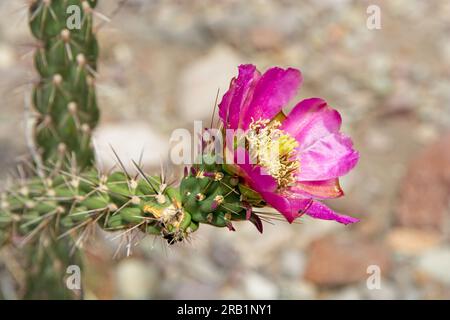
x: 349, y: 293
x: 191, y: 290
x: 6, y: 56
x: 299, y: 290
x: 412, y: 241
x: 257, y: 286
x: 387, y: 291
x: 424, y: 195
x: 129, y: 140
x: 335, y: 261
x: 293, y: 263
x: 436, y: 264
x: 201, y: 79
x: 136, y: 279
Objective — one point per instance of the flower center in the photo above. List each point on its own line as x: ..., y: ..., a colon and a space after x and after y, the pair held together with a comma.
x: 274, y: 150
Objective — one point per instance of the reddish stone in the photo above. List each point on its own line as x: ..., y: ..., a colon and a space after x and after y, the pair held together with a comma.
x: 425, y: 192
x: 335, y: 261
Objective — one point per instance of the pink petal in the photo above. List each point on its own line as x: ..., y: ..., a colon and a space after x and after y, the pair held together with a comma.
x: 224, y: 105
x: 257, y: 180
x: 326, y: 189
x: 238, y: 95
x: 328, y: 158
x: 320, y: 211
x: 311, y: 120
x: 273, y: 91
x: 288, y: 207
x: 292, y: 208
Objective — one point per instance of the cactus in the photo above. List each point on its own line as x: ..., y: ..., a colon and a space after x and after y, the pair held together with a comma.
x: 66, y: 204
x: 64, y: 97
x: 68, y: 198
x: 216, y: 196
x: 65, y: 102
x: 53, y: 216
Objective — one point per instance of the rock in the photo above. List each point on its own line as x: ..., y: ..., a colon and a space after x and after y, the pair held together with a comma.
x: 378, y: 140
x: 292, y: 263
x: 424, y: 196
x: 387, y: 291
x: 8, y: 153
x: 200, y: 81
x: 223, y: 254
x: 412, y: 241
x: 200, y: 267
x: 129, y: 140
x: 263, y: 252
x: 350, y: 293
x: 436, y: 265
x: 195, y: 291
x: 6, y: 57
x: 299, y: 290
x: 266, y: 38
x: 258, y: 287
x: 232, y: 293
x: 335, y: 261
x: 427, y: 133
x: 135, y: 280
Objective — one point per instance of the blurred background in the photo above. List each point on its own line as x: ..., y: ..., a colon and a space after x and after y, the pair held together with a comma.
x: 160, y: 67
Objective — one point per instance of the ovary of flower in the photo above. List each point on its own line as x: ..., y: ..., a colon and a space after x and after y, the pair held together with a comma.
x: 274, y: 150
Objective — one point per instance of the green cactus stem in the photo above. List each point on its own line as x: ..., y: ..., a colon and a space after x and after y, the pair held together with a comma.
x: 65, y: 102
x: 64, y: 97
x: 66, y: 203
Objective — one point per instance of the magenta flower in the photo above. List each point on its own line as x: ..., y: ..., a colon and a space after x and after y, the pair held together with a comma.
x: 311, y: 152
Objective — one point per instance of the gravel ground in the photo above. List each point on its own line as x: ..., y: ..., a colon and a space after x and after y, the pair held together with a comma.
x: 161, y: 65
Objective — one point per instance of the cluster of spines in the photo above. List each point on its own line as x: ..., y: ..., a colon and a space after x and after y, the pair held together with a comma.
x: 64, y: 97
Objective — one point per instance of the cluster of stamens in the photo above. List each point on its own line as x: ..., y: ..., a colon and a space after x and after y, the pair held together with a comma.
x: 273, y: 150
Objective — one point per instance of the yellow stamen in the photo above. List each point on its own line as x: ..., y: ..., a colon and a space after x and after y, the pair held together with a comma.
x: 274, y: 150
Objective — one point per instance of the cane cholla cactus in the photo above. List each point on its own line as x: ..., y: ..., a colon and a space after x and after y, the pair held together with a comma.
x: 65, y: 203
x: 65, y: 102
